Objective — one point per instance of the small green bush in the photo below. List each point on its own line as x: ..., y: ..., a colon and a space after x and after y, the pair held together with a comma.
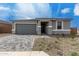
x: 74, y: 54
x: 56, y: 41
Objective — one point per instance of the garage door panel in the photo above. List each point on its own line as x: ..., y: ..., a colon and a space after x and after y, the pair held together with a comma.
x: 26, y: 28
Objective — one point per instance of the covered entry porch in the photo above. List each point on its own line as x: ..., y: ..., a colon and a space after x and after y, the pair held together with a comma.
x: 44, y: 27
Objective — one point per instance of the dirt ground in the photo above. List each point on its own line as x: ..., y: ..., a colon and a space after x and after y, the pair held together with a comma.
x: 54, y: 46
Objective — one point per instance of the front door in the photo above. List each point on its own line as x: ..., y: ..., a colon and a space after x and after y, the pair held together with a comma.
x: 43, y: 27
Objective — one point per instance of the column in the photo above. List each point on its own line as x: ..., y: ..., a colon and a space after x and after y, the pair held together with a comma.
x: 13, y: 27
x: 49, y: 28
x: 38, y: 28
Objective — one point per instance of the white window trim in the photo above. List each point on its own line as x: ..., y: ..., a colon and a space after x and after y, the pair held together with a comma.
x: 38, y: 26
x: 57, y: 24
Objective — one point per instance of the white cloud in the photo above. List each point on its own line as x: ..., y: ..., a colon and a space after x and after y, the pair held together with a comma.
x: 4, y: 12
x: 4, y: 8
x: 43, y: 10
x: 24, y: 10
x: 76, y: 10
x: 32, y: 10
x: 65, y: 10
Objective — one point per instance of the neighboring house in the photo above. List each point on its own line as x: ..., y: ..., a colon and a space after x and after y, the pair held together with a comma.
x: 77, y: 31
x: 42, y: 26
x: 5, y: 27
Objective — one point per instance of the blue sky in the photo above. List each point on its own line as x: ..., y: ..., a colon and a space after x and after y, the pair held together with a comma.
x: 12, y: 11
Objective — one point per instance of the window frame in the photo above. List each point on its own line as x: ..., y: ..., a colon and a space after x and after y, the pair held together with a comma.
x: 57, y: 25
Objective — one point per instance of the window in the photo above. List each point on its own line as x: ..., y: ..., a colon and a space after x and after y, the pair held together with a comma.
x: 59, y: 25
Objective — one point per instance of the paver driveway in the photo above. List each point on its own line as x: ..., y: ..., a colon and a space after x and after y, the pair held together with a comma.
x: 16, y: 43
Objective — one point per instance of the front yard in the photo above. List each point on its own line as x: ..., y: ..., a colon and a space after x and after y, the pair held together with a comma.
x: 54, y: 46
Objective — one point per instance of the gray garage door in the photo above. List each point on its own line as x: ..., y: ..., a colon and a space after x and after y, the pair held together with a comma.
x: 25, y: 29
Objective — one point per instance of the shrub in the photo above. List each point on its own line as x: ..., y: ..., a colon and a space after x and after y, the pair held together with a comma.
x: 73, y: 32
x: 74, y: 54
x: 59, y: 52
x: 73, y: 35
x: 56, y: 41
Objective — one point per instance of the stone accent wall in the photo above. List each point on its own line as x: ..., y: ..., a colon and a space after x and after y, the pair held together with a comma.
x: 54, y: 25
x: 66, y: 24
x: 49, y: 29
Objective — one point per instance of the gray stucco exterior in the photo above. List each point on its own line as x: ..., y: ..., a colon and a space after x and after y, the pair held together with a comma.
x: 34, y: 26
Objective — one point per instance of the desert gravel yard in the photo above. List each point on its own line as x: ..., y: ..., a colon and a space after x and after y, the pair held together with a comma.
x: 16, y: 43
x: 57, y: 45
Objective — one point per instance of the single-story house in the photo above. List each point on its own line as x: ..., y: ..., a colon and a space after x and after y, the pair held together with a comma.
x: 5, y: 27
x: 42, y: 26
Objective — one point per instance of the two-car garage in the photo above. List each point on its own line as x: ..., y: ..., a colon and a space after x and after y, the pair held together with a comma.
x: 25, y: 28
x: 28, y: 27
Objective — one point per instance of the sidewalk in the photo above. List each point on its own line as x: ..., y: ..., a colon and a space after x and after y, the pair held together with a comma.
x: 28, y: 53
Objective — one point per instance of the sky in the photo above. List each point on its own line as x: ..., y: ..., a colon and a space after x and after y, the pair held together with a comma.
x: 16, y: 11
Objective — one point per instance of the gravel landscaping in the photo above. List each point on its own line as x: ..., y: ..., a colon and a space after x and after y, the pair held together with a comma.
x: 16, y: 43
x: 57, y: 45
